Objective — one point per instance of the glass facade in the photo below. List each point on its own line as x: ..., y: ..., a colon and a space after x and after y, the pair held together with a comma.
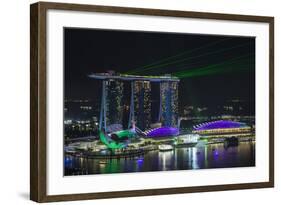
x: 111, y: 105
x: 142, y: 104
x: 168, y: 113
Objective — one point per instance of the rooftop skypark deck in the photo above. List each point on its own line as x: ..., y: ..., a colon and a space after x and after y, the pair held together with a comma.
x: 161, y: 78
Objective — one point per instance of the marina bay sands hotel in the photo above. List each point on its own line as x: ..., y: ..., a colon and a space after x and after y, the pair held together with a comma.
x: 111, y: 109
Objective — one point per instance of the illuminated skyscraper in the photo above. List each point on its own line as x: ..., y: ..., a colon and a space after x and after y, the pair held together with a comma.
x: 114, y: 101
x: 111, y: 106
x: 168, y: 113
x: 142, y: 104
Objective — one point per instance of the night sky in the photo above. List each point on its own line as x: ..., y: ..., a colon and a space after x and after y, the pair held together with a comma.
x: 212, y: 69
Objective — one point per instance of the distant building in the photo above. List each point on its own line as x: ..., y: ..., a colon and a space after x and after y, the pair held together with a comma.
x: 80, y: 109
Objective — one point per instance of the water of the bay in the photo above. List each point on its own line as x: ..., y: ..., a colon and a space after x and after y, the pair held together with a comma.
x: 201, y: 156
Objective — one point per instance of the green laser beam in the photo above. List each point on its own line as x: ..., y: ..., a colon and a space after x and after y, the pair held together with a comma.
x: 192, y: 57
x: 215, y: 70
x: 229, y: 61
x: 208, y: 69
x: 177, y: 55
x: 219, y: 68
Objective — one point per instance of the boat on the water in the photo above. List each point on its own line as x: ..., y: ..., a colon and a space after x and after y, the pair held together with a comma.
x: 165, y: 147
x: 186, y: 140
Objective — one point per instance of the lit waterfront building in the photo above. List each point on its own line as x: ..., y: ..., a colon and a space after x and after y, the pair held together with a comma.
x: 168, y: 113
x: 222, y: 127
x: 142, y: 104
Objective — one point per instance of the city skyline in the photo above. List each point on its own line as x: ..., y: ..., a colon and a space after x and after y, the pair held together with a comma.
x: 220, y: 68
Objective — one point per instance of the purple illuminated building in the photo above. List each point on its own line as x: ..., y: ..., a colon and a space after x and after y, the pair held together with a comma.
x: 221, y: 124
x: 221, y: 127
x: 162, y: 132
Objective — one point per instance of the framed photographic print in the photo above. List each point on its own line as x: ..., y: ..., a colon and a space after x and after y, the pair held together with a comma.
x: 134, y: 102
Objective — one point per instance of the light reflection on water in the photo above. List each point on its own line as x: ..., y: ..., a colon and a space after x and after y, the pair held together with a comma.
x: 198, y: 157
